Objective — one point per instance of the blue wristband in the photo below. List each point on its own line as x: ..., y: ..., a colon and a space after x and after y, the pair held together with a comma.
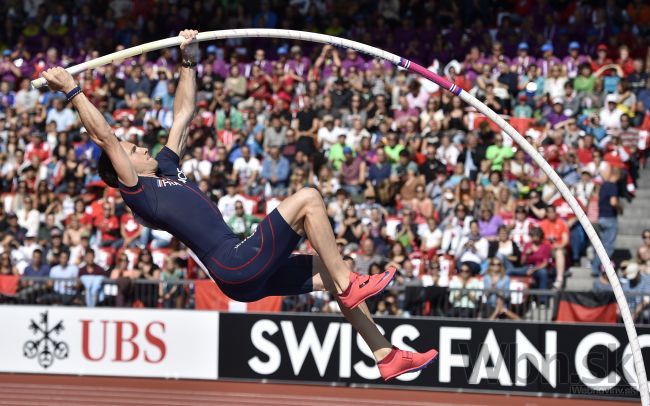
x: 72, y: 93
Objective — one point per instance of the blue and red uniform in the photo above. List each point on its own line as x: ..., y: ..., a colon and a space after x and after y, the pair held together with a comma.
x: 261, y: 265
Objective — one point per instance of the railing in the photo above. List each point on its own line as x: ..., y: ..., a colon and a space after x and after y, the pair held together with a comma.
x: 407, y: 300
x: 416, y: 300
x: 99, y: 291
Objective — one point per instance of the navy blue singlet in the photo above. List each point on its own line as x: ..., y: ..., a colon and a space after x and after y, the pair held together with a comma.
x: 261, y: 265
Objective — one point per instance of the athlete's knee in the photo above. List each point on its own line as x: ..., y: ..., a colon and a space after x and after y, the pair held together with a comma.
x: 310, y: 194
x: 310, y: 200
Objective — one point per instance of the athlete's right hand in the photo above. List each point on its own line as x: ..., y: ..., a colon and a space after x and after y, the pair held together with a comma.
x: 59, y: 79
x: 189, y: 46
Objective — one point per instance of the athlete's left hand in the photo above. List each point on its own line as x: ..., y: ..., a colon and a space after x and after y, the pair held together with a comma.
x: 190, y: 46
x: 59, y: 79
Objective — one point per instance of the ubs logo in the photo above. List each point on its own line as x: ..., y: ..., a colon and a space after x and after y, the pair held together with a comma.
x: 45, y: 349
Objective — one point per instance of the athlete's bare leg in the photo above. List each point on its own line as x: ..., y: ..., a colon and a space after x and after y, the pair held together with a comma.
x: 359, y: 317
x: 305, y: 212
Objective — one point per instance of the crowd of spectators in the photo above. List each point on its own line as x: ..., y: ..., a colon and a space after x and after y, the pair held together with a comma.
x: 411, y: 176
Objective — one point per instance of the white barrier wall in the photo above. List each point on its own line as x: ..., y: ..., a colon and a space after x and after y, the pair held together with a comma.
x: 114, y: 342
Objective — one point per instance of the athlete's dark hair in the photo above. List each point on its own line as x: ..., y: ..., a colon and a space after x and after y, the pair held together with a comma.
x: 106, y: 170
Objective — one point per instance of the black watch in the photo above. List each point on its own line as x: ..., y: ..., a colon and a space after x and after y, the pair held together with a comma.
x: 188, y: 64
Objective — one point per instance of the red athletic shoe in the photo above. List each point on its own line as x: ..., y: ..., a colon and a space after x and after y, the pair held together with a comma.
x: 362, y: 287
x: 399, y: 362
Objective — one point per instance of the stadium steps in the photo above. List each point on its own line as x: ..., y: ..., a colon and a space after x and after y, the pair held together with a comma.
x: 635, y: 219
x: 581, y: 277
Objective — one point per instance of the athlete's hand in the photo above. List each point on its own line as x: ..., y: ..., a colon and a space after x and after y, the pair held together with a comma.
x: 59, y: 79
x: 190, y: 46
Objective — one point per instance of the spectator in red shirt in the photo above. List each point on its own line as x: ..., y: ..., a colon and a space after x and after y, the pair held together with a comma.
x: 227, y: 135
x: 109, y: 227
x: 259, y: 86
x: 84, y: 218
x: 557, y: 235
x: 602, y: 59
x: 37, y: 147
x: 454, y: 72
x: 624, y: 60
x: 585, y: 149
x: 535, y: 259
x: 616, y: 154
x: 553, y: 151
x: 130, y: 230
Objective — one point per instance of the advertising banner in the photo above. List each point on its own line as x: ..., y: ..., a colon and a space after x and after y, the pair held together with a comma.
x: 113, y: 342
x: 558, y: 359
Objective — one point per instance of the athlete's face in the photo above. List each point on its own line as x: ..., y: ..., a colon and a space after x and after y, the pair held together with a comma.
x: 140, y: 159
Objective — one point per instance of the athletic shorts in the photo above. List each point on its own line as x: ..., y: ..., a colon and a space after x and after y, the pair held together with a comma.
x: 262, y: 264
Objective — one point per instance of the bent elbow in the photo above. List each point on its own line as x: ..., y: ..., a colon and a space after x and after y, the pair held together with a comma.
x: 107, y: 140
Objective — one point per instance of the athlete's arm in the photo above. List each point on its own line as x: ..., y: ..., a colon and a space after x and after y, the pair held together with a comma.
x: 58, y: 79
x: 185, y: 96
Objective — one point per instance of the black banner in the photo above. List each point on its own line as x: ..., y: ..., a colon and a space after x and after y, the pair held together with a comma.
x: 558, y: 359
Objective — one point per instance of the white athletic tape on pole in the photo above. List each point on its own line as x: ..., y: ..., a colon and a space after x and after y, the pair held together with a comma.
x: 468, y: 98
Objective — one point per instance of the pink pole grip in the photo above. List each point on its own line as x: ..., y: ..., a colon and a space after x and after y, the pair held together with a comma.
x: 443, y: 82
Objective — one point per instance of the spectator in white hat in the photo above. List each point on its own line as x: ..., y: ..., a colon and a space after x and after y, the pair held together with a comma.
x: 610, y: 116
x: 637, y: 291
